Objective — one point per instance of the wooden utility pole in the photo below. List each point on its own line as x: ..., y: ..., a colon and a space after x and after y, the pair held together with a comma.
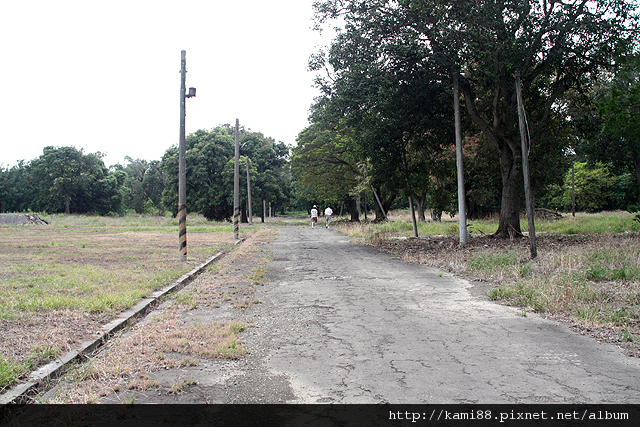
x: 182, y: 185
x: 525, y: 169
x: 236, y: 183
x: 462, y: 206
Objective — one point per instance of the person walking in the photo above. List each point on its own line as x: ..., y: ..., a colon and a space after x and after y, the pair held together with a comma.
x: 314, y: 216
x: 327, y: 215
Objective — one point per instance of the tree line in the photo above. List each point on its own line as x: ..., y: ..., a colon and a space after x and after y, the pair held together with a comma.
x: 67, y: 180
x: 382, y: 130
x: 383, y: 127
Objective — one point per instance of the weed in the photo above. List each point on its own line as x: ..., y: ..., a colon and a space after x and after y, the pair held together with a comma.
x: 186, y: 299
x: 627, y: 336
x: 10, y: 372
x: 257, y: 275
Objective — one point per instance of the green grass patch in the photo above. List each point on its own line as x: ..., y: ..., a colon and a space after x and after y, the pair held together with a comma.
x: 599, y: 223
x: 10, y: 372
x: 88, y: 267
x: 490, y: 262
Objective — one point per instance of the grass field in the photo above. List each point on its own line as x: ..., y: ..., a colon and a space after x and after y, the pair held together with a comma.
x: 587, y: 272
x: 60, y: 283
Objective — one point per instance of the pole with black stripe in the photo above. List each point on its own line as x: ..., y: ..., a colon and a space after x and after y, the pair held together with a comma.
x: 182, y: 178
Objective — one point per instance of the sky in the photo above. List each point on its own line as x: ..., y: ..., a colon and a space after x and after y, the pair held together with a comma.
x: 105, y: 75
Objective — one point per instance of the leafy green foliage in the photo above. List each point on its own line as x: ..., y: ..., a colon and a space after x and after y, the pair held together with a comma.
x: 594, y: 187
x: 143, y: 183
x: 62, y: 179
x: 388, y: 47
x: 209, y: 159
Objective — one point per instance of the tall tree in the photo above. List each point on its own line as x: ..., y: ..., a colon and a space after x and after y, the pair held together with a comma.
x: 16, y: 193
x: 209, y: 182
x: 66, y: 180
x: 556, y: 45
x: 618, y: 105
x: 324, y: 169
x: 143, y: 185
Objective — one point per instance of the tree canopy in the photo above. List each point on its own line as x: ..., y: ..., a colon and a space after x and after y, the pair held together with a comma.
x: 65, y: 179
x: 556, y: 46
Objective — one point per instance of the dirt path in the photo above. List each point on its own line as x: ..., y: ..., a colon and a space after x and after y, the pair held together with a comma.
x: 335, y: 322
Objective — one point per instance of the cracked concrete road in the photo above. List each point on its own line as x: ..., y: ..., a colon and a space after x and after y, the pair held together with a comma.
x: 344, y: 323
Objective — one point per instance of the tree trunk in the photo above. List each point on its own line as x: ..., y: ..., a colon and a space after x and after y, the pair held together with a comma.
x: 352, y: 207
x: 421, y: 201
x: 636, y: 164
x: 509, y: 225
x: 67, y: 203
x: 243, y: 211
x: 386, y: 200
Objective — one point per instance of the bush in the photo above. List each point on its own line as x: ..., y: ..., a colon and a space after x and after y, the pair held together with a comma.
x: 594, y: 188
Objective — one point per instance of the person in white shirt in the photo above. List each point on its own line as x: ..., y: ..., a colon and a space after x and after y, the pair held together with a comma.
x: 314, y: 216
x: 327, y: 214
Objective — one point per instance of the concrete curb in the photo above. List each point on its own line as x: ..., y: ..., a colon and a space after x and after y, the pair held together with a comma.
x: 21, y: 393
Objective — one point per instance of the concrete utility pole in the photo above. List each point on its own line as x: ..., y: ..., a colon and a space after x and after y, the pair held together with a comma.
x: 462, y: 206
x: 525, y: 169
x: 573, y: 188
x: 236, y: 183
x: 413, y: 217
x: 249, y: 207
x: 182, y: 178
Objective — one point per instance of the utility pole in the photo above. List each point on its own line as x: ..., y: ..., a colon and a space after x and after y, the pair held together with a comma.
x: 525, y: 169
x: 413, y: 217
x: 249, y: 207
x: 573, y: 188
x: 379, y: 203
x: 236, y: 183
x: 182, y: 169
x: 462, y: 207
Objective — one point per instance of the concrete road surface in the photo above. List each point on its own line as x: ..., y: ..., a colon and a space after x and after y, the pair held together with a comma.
x: 343, y: 323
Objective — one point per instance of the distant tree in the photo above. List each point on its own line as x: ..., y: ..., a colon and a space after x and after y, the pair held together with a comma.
x: 595, y: 188
x: 618, y: 105
x: 209, y: 182
x: 325, y: 170
x: 16, y: 194
x: 142, y: 186
x: 206, y: 156
x: 66, y: 180
x: 271, y: 180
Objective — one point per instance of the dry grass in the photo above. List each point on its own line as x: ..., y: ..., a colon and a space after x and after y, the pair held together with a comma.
x: 60, y: 283
x: 168, y: 339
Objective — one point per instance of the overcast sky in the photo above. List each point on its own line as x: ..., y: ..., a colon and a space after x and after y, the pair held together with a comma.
x: 105, y: 75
